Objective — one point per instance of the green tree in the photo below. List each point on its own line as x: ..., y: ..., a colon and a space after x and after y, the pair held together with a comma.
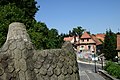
x: 38, y: 34
x: 54, y: 39
x: 109, y: 46
x: 43, y: 38
x: 27, y: 6
x: 76, y: 31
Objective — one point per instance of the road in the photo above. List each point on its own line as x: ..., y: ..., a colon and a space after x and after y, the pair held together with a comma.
x: 87, y: 72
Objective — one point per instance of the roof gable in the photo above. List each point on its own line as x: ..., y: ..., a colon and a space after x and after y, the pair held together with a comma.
x: 97, y: 41
x: 85, y: 35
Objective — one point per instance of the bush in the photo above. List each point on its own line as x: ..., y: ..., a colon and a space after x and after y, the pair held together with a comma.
x: 113, y: 69
x: 107, y: 65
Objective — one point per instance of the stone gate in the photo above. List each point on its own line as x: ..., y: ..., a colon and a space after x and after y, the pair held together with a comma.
x: 20, y: 61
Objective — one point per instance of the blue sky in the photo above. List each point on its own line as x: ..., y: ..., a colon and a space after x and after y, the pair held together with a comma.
x: 93, y: 15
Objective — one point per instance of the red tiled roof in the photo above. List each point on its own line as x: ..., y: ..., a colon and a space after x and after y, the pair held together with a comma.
x: 85, y: 35
x: 118, y: 42
x: 98, y: 42
x: 100, y: 36
x: 68, y: 38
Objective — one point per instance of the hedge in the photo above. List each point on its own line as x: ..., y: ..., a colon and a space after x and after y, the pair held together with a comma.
x: 113, y: 69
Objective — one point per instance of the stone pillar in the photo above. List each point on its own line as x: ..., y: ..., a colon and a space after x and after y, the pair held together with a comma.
x: 18, y: 52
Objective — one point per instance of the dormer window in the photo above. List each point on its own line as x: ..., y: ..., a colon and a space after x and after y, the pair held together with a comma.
x: 82, y: 40
x: 87, y: 39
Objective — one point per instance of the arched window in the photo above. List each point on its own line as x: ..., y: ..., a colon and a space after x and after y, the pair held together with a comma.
x: 89, y: 47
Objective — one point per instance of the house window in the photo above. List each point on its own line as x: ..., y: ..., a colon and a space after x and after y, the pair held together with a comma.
x: 87, y: 39
x: 82, y: 46
x: 89, y: 47
x: 82, y: 40
x: 80, y: 50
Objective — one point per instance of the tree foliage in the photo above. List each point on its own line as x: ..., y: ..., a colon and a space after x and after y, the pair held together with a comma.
x: 110, y: 45
x: 54, y: 39
x: 43, y: 38
x: 76, y: 31
x: 27, y: 6
x: 38, y: 34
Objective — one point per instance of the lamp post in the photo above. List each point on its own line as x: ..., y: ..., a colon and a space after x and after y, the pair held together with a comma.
x: 95, y: 63
x: 94, y: 59
x: 116, y: 58
x: 102, y: 62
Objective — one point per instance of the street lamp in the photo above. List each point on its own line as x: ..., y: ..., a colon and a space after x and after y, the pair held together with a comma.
x: 102, y: 62
x: 116, y: 57
x: 95, y: 63
x: 94, y: 59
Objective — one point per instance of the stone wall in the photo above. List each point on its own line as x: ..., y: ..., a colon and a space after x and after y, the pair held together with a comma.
x: 20, y: 61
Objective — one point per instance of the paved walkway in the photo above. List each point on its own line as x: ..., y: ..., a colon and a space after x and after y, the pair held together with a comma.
x: 89, y: 75
x: 86, y: 71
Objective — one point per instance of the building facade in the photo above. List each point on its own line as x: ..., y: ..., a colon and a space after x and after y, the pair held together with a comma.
x: 87, y: 44
x: 118, y: 45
